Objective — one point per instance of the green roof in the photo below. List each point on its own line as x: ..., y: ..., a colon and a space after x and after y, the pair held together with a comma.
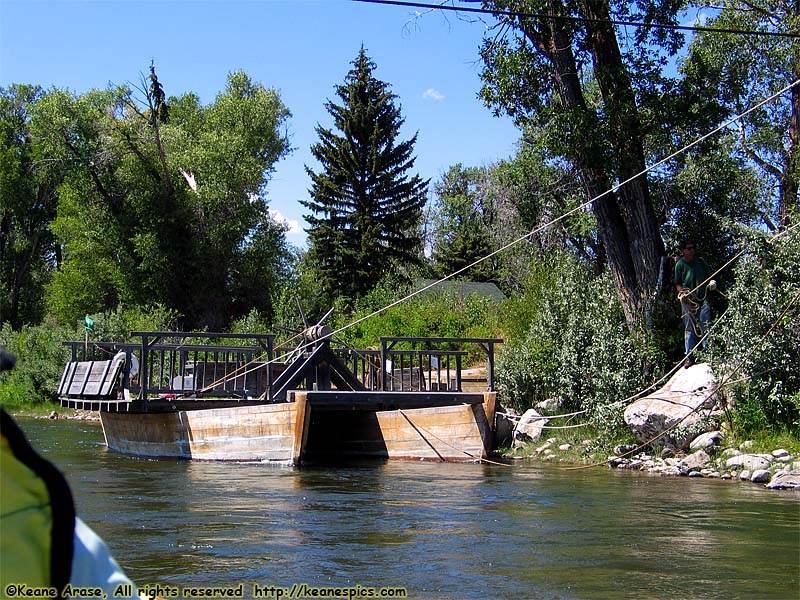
x: 463, y: 288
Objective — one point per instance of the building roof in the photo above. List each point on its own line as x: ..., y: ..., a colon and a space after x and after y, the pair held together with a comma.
x: 464, y: 288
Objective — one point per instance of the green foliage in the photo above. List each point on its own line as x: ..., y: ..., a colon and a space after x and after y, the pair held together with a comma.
x: 740, y: 76
x: 577, y: 347
x: 117, y: 324
x: 27, y: 205
x: 769, y: 438
x: 463, y: 215
x: 303, y: 285
x: 609, y: 425
x: 430, y: 314
x: 579, y: 89
x: 366, y: 210
x: 767, y: 283
x: 40, y: 360
x: 164, y: 202
x: 252, y: 322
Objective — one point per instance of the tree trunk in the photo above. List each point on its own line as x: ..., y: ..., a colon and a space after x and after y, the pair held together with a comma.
x: 789, y: 199
x: 625, y: 221
x: 645, y: 245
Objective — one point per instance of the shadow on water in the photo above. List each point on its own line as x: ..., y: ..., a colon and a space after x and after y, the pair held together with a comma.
x: 440, y: 530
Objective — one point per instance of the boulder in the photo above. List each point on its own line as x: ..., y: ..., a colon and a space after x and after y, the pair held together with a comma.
x: 761, y: 476
x: 785, y: 481
x: 678, y: 403
x: 551, y: 405
x: 751, y: 462
x: 706, y: 440
x: 780, y: 453
x: 529, y: 427
x: 621, y: 449
x: 695, y: 461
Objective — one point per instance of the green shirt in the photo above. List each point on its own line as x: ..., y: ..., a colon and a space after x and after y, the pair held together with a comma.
x: 691, y: 274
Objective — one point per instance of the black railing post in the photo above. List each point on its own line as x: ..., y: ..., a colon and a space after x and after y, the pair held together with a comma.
x: 144, y: 374
x: 383, y: 372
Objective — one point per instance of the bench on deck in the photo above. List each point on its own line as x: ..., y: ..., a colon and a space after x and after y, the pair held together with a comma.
x: 91, y: 378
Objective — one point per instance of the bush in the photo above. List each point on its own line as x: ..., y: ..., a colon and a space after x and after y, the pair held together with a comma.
x: 767, y: 281
x: 577, y: 348
x: 40, y: 361
x: 252, y: 322
x: 117, y: 324
x: 430, y: 314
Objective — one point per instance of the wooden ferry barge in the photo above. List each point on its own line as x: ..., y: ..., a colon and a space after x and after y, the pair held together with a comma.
x: 184, y: 395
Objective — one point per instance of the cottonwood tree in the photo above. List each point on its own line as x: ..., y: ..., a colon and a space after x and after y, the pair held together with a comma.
x: 28, y: 202
x: 365, y: 205
x: 589, y: 97
x: 742, y: 70
x: 164, y: 206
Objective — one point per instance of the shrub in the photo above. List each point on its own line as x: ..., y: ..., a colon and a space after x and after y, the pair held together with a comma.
x: 577, y: 348
x: 40, y: 360
x: 767, y: 281
x: 430, y: 314
x: 252, y: 322
x: 117, y: 324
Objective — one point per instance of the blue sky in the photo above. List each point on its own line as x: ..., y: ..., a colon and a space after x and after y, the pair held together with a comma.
x: 302, y: 48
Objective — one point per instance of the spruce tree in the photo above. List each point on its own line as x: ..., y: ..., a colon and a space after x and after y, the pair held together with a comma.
x: 366, y: 209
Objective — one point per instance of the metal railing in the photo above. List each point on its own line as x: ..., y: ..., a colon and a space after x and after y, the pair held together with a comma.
x: 182, y: 364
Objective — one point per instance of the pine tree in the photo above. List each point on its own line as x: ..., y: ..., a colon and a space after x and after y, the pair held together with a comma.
x: 366, y: 208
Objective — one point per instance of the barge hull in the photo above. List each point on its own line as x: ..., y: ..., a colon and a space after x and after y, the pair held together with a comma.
x: 314, y: 426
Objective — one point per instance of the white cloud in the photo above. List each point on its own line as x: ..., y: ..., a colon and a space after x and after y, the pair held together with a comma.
x: 433, y: 94
x: 292, y: 224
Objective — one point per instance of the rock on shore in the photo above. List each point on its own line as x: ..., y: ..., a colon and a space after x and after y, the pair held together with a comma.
x: 676, y: 405
x: 778, y: 470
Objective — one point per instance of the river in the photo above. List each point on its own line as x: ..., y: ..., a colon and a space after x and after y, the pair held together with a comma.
x: 457, y: 531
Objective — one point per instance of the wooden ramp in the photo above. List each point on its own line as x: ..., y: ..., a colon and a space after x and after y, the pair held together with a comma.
x: 91, y: 378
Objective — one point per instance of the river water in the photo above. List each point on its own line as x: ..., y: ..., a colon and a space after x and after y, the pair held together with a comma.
x: 439, y: 530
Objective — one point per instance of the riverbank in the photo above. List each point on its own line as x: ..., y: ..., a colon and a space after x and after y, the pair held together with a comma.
x: 51, y: 411
x: 773, y: 461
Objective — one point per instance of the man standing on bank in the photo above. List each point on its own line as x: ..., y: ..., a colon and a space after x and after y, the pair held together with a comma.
x: 692, y: 283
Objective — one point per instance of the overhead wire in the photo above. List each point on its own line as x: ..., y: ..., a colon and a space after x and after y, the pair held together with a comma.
x: 574, y: 19
x: 574, y: 210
